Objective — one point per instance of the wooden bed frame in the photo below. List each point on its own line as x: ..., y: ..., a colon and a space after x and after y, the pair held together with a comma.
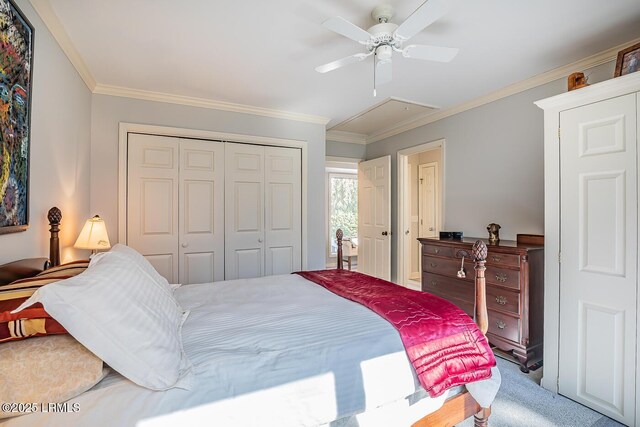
x: 461, y: 406
x: 455, y: 409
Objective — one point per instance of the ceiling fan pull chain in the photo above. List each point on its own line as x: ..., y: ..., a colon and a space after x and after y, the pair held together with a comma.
x: 375, y: 59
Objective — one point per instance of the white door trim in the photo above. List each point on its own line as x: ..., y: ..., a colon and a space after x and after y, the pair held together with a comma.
x: 401, y: 159
x: 126, y: 128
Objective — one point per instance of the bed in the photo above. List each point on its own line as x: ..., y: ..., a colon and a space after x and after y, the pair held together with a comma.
x: 279, y: 351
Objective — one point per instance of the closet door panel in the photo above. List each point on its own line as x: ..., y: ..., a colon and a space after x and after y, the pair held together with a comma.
x: 152, y: 200
x: 201, y: 243
x: 283, y: 200
x: 244, y: 211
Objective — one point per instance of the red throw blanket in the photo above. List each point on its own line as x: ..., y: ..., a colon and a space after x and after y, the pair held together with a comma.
x: 444, y: 345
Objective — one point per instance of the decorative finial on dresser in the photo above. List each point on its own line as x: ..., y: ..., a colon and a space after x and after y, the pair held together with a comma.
x: 494, y: 233
x: 54, y: 216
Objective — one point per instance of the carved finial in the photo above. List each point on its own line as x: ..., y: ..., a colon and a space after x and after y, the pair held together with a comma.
x: 54, y: 215
x: 479, y: 251
x: 339, y: 234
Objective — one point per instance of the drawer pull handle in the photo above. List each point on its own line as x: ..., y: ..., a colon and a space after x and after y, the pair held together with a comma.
x: 501, y: 277
x: 434, y: 283
x: 501, y: 300
x: 436, y: 251
x: 500, y: 324
x: 495, y: 258
x: 433, y: 264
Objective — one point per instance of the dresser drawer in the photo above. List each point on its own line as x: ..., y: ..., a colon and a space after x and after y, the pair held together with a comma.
x: 510, y: 260
x: 502, y: 299
x: 447, y: 287
x: 504, y: 326
x: 502, y: 276
x: 437, y: 251
x: 447, y: 267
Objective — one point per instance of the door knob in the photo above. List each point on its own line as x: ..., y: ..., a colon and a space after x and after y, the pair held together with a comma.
x: 406, y: 232
x: 184, y: 245
x: 384, y: 233
x: 430, y: 228
x: 260, y: 240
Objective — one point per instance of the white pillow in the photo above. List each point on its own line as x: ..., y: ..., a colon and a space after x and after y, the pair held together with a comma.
x: 116, y: 311
x: 142, y: 262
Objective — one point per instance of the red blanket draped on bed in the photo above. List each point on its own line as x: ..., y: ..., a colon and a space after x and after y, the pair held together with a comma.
x: 444, y: 345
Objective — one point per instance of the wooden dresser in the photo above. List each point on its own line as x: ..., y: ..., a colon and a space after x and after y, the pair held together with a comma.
x: 515, y: 286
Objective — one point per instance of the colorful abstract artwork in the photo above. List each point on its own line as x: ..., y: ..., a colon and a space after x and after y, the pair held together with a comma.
x: 16, y: 58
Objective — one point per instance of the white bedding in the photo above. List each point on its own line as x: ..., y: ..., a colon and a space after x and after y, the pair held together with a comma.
x: 277, y: 351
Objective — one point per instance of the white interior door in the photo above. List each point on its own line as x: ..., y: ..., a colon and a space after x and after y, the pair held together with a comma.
x: 374, y: 217
x: 201, y: 230
x: 152, y: 201
x: 283, y: 210
x: 244, y: 211
x: 599, y: 248
x: 428, y: 199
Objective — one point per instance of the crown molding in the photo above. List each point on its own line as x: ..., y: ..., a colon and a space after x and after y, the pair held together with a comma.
x: 51, y: 21
x: 538, y: 80
x: 348, y: 137
x: 145, y: 95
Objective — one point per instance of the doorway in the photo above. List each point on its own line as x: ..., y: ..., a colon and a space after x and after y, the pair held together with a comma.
x: 420, y: 206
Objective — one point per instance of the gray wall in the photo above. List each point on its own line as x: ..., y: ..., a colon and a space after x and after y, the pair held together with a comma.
x: 60, y: 137
x: 343, y: 149
x: 109, y: 111
x: 494, y: 167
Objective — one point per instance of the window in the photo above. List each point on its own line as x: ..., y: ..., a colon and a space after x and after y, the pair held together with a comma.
x: 343, y: 207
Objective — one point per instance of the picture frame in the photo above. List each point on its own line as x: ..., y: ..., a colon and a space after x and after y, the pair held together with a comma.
x: 16, y: 60
x: 628, y: 61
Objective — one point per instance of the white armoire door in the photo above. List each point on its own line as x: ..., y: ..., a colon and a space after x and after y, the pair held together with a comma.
x: 599, y: 249
x: 152, y: 201
x: 374, y: 217
x: 283, y: 210
x: 244, y: 211
x: 201, y: 213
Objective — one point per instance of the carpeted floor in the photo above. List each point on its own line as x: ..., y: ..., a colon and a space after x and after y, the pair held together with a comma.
x: 522, y: 402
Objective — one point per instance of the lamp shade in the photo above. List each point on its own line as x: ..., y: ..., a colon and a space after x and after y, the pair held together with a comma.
x: 93, y: 235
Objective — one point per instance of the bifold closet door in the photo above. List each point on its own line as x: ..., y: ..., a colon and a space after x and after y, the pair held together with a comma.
x: 152, y: 200
x: 599, y: 256
x: 201, y: 213
x: 283, y: 210
x: 244, y: 211
x: 175, y: 198
x: 262, y: 210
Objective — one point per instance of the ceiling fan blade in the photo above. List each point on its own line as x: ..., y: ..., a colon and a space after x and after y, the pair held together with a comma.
x: 347, y: 29
x: 383, y: 72
x: 342, y: 62
x: 430, y: 53
x: 425, y: 15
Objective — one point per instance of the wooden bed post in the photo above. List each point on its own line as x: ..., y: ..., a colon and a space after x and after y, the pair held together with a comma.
x: 479, y: 253
x: 462, y: 406
x: 339, y: 236
x: 54, y: 216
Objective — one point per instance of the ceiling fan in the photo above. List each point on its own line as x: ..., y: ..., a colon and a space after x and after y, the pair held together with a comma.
x: 385, y: 37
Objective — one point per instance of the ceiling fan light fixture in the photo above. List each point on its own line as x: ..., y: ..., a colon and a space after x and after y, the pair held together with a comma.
x: 384, y: 52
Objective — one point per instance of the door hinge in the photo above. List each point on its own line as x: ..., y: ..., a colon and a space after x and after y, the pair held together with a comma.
x: 558, y: 134
x: 559, y: 257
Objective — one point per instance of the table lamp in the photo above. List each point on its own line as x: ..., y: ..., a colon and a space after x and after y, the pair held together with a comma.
x: 93, y: 235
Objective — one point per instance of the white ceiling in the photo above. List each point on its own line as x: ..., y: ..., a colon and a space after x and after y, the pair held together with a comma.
x: 263, y: 53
